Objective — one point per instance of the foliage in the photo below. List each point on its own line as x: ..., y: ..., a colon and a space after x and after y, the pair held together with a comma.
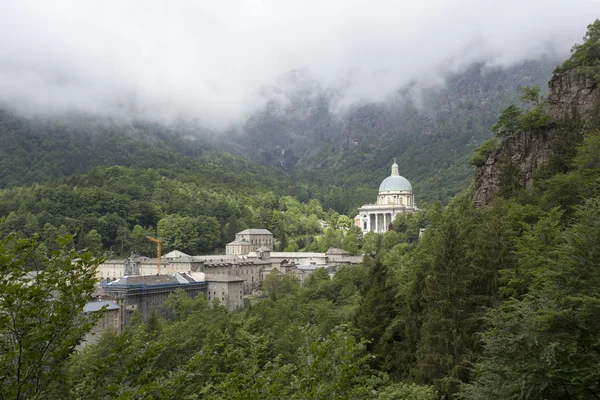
x: 499, y: 302
x: 41, y: 314
x: 542, y: 344
x: 536, y: 118
x: 277, y: 286
x: 509, y: 122
x: 407, y: 392
x: 482, y: 152
x: 531, y: 95
x: 585, y: 55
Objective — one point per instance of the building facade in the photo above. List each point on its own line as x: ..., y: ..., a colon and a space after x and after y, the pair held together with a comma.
x: 110, y: 319
x: 395, y: 197
x: 249, y: 240
x: 228, y: 289
x: 147, y: 294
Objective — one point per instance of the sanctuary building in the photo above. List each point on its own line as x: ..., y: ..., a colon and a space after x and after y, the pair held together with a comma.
x: 395, y: 197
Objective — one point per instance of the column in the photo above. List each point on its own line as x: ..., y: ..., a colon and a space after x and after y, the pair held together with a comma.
x: 377, y: 222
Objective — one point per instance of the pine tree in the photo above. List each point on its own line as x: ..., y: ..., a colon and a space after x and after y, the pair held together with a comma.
x: 377, y: 306
x: 443, y: 349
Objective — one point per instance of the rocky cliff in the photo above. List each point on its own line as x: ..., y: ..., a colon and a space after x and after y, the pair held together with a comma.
x: 572, y: 91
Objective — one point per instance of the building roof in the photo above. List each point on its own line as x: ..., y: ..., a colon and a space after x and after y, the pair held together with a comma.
x: 176, y: 254
x: 239, y: 242
x: 149, y: 280
x: 336, y: 251
x: 144, y: 280
x: 217, y: 258
x: 223, y: 278
x: 395, y: 184
x: 310, y: 267
x: 98, y: 291
x: 95, y: 306
x: 291, y: 254
x: 254, y: 232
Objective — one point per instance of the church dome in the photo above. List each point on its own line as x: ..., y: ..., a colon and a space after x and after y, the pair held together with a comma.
x: 395, y: 183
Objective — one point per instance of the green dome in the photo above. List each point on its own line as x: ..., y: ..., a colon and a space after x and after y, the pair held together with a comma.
x: 395, y: 183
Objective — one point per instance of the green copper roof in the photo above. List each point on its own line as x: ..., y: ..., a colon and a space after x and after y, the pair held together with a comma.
x: 395, y: 183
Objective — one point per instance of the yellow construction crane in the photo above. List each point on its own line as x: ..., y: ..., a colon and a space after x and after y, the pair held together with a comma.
x: 158, y: 249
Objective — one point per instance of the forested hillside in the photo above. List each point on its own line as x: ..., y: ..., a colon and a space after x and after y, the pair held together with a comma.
x: 499, y: 299
x: 432, y: 131
x: 111, y: 183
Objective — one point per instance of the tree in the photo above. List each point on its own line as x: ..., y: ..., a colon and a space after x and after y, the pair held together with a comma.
x: 41, y: 315
x: 178, y: 233
x: 444, y: 348
x: 332, y: 238
x: 371, y: 243
x: 586, y: 54
x: 345, y: 221
x: 531, y: 95
x: 407, y: 391
x: 509, y: 122
x: 545, y: 344
x: 122, y: 237
x: 92, y: 241
x: 278, y: 286
x: 377, y: 305
x: 137, y: 241
x: 350, y: 242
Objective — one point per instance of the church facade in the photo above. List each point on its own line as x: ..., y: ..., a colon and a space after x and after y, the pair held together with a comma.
x: 395, y: 197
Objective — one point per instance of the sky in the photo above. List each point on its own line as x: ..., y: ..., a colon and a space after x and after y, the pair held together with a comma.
x: 217, y: 62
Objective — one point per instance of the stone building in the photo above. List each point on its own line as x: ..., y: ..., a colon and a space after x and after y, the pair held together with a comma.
x: 109, y: 320
x: 148, y: 293
x: 172, y: 262
x: 228, y: 289
x: 243, y: 267
x: 249, y: 240
x: 301, y: 271
x: 395, y: 197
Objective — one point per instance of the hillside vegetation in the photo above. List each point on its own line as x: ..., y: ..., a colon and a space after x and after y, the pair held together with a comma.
x: 498, y: 300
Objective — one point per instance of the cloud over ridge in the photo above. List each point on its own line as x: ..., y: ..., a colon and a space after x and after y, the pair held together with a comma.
x: 212, y: 60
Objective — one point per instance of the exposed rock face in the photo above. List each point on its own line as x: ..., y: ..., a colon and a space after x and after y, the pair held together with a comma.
x: 528, y: 151
x: 571, y: 89
x: 531, y: 149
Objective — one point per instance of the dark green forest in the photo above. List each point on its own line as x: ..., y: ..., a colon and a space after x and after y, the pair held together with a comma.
x: 499, y: 301
x: 111, y: 189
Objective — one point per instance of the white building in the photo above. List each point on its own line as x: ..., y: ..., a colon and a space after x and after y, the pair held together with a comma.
x: 395, y: 197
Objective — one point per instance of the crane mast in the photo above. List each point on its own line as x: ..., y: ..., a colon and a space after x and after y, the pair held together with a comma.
x: 158, y: 249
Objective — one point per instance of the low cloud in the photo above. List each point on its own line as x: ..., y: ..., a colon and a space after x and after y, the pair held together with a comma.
x: 217, y: 62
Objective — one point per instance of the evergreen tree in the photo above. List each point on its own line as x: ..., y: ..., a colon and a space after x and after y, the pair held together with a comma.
x: 545, y: 345
x: 377, y: 305
x: 443, y: 352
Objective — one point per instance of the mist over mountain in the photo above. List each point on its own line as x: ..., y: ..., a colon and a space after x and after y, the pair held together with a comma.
x: 431, y: 130
x: 218, y: 63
